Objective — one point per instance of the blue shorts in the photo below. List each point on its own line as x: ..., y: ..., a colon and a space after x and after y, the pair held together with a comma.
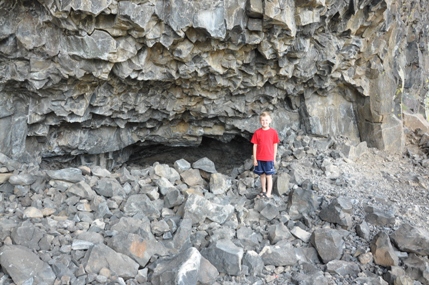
x: 266, y: 167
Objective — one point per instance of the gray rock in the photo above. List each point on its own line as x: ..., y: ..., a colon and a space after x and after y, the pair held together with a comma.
x: 24, y: 266
x: 182, y: 238
x: 331, y: 170
x: 298, y: 173
x: 278, y: 232
x: 396, y: 275
x: 301, y: 234
x: 109, y: 187
x: 132, y: 225
x: 417, y: 268
x: 101, y: 256
x: 225, y: 256
x: 192, y: 177
x: 21, y: 191
x: 164, y: 185
x: 7, y: 188
x: 173, y: 198
x: 380, y: 217
x: 322, y: 144
x: 60, y: 185
x: 370, y: 280
x: 207, y: 273
x: 9, y: 163
x: 181, y: 269
x: 363, y: 230
x: 328, y: 243
x: 353, y: 152
x: 101, y: 208
x: 198, y: 208
x: 338, y: 212
x: 270, y: 211
x: 140, y: 248
x: 125, y: 176
x: 22, y: 179
x: 248, y: 238
x: 81, y: 244
x: 140, y: 203
x: 68, y: 174
x: 182, y: 165
x: 32, y: 212
x: 27, y: 235
x: 404, y: 280
x: 219, y: 183
x: 301, y: 202
x: 254, y: 262
x: 343, y: 268
x: 100, y: 172
x: 310, y: 276
x: 222, y: 232
x: 165, y: 171
x: 149, y: 230
x: 159, y: 228
x: 205, y: 164
x: 281, y: 254
x: 152, y: 192
x: 82, y: 190
x: 282, y: 184
x: 411, y: 239
x: 307, y: 254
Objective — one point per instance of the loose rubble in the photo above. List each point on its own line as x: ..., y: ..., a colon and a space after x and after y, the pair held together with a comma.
x: 187, y: 223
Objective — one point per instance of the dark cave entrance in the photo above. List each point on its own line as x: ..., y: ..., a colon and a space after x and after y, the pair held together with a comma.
x: 226, y: 156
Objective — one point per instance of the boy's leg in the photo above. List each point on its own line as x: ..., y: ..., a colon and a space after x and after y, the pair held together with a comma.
x: 263, y: 178
x: 269, y: 179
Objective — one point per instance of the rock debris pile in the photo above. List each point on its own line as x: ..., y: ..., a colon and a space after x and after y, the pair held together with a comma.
x: 189, y: 224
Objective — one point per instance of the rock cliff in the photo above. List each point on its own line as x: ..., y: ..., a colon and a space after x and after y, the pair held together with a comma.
x: 95, y: 79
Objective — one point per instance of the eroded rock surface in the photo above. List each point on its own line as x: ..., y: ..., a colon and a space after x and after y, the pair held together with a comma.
x: 92, y: 79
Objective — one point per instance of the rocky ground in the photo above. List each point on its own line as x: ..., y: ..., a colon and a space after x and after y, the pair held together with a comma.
x: 395, y: 181
x: 340, y: 214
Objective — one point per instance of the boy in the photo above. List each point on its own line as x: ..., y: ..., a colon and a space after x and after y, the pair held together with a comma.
x: 265, y: 141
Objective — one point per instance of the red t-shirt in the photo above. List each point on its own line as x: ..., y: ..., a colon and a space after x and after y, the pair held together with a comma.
x: 265, y: 140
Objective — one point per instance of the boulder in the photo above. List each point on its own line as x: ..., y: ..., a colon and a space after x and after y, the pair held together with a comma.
x: 25, y: 266
x: 411, y: 239
x: 382, y: 250
x: 301, y: 202
x: 225, y: 256
x: 101, y: 256
x: 339, y: 212
x: 378, y: 216
x: 329, y: 244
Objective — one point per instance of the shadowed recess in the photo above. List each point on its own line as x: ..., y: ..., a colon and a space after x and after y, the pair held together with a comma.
x: 225, y: 156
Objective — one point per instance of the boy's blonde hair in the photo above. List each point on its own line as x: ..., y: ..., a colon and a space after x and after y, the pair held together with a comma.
x: 264, y: 114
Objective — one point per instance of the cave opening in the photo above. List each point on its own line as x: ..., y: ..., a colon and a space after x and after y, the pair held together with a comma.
x: 225, y: 155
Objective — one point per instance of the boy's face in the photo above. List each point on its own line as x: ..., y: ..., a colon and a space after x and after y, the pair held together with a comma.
x: 265, y: 122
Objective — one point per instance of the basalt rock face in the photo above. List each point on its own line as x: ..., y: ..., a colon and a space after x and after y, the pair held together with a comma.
x: 94, y: 79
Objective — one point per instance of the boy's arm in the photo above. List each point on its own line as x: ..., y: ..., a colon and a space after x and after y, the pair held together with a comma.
x: 275, y: 154
x: 255, y: 161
